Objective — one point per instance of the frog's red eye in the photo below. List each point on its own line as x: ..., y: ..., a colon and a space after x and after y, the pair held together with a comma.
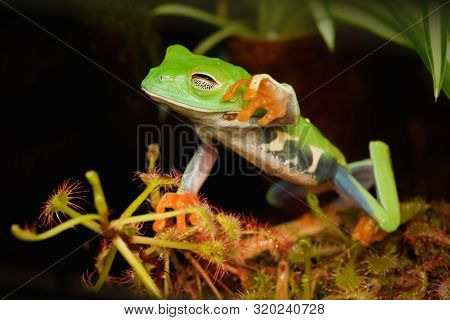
x: 204, y: 81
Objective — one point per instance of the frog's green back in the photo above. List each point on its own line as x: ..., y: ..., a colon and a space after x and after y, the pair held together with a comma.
x: 309, y: 135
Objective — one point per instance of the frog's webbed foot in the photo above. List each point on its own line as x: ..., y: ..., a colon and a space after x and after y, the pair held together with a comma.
x: 265, y: 93
x: 194, y: 176
x: 385, y: 208
x: 367, y: 231
x: 176, y: 202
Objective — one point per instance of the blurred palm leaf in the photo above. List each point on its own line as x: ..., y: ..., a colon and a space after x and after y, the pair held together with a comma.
x: 321, y: 14
x: 371, y: 16
x: 271, y: 19
x: 419, y: 26
x: 187, y: 11
x: 436, y: 28
x: 209, y: 42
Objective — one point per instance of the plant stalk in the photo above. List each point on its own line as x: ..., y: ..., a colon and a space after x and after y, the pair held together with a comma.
x: 166, y: 243
x: 26, y: 235
x: 138, y: 201
x: 106, y: 267
x: 137, y: 266
x: 94, y: 226
x: 204, y: 275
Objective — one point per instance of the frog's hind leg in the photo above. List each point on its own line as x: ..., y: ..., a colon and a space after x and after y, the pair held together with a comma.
x: 281, y: 192
x: 385, y: 210
x: 363, y: 172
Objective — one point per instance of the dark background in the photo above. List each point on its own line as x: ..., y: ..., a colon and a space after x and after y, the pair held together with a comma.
x: 63, y: 115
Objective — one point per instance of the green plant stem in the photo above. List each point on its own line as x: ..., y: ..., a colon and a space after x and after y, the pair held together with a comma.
x: 166, y: 243
x: 138, y: 201
x: 27, y: 235
x: 97, y: 189
x: 157, y: 216
x: 313, y: 203
x: 106, y: 267
x: 146, y: 218
x: 152, y: 156
x: 306, y: 278
x: 94, y: 226
x: 355, y: 250
x: 306, y: 288
x: 166, y: 276
x: 137, y: 266
x: 308, y: 261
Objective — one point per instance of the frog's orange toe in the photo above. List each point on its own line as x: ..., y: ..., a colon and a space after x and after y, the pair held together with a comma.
x: 176, y: 202
x: 159, y: 225
x: 234, y: 88
x: 271, y: 115
x: 247, y: 113
x: 268, y: 96
x: 366, y: 231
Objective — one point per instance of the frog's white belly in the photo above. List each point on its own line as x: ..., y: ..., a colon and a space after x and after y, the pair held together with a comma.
x: 252, y: 145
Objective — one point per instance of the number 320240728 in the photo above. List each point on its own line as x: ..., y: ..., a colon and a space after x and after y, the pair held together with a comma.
x: 297, y: 308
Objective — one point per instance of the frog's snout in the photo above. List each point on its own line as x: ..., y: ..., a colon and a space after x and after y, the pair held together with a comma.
x: 156, y: 78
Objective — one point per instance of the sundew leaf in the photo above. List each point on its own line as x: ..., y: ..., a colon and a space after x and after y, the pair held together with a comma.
x: 381, y: 264
x: 324, y: 22
x: 348, y: 279
x: 436, y: 30
x: 416, y: 292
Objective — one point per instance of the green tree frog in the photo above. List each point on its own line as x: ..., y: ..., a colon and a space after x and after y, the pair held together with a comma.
x: 259, y: 118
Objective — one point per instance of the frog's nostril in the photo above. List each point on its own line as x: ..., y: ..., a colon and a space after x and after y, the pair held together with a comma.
x: 165, y: 78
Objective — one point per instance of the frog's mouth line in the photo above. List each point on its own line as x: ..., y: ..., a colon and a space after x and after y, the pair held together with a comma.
x: 219, y: 118
x: 168, y: 101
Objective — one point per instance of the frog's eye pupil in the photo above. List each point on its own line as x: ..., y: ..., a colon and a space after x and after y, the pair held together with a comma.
x: 204, y: 82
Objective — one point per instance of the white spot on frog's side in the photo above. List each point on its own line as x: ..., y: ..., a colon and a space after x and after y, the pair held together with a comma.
x: 316, y: 154
x: 277, y: 144
x: 292, y: 162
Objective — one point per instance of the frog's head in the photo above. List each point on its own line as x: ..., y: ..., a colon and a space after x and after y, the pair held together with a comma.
x: 193, y: 85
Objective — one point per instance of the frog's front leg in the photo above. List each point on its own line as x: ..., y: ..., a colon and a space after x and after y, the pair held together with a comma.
x: 265, y: 93
x: 385, y: 210
x: 193, y: 178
